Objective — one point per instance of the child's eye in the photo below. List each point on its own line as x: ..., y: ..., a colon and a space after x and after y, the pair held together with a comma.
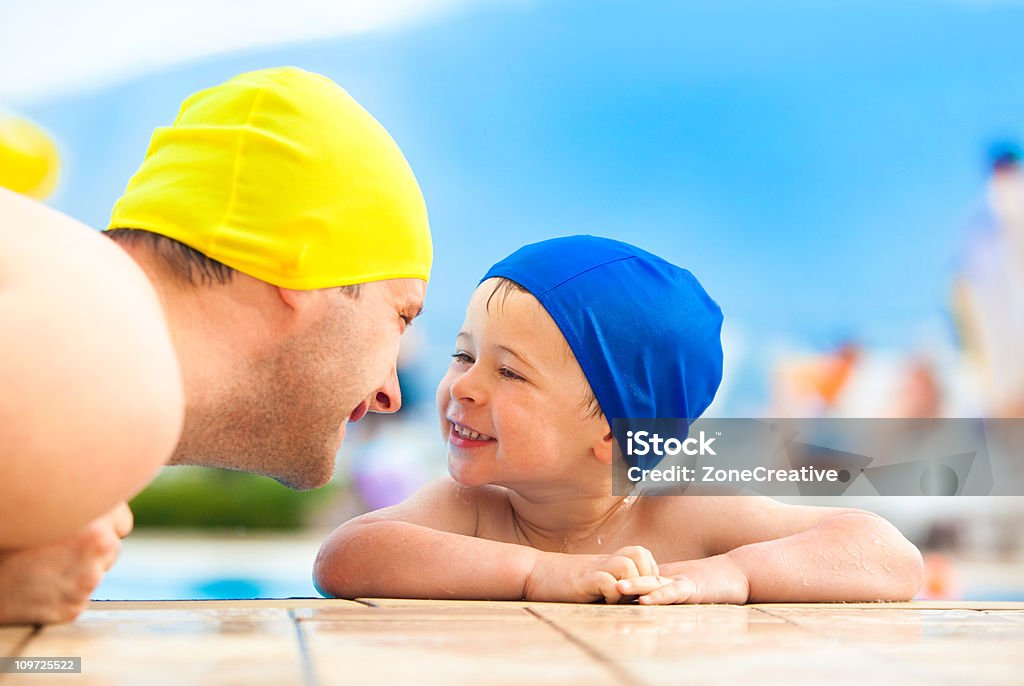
x: 462, y: 357
x: 509, y: 374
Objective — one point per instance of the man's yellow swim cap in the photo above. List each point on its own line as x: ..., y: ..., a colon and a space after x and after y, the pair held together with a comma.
x: 29, y: 161
x: 281, y: 175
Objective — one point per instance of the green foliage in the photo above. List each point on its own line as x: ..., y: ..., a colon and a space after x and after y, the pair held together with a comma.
x: 201, y: 498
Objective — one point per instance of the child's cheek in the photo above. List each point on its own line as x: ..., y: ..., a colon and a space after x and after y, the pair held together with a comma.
x: 442, y: 398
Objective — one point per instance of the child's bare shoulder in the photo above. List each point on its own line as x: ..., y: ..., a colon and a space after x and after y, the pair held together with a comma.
x: 697, y: 503
x: 684, y: 521
x: 724, y: 521
x: 446, y: 505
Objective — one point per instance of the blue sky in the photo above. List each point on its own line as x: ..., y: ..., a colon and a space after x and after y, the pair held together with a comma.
x: 811, y: 162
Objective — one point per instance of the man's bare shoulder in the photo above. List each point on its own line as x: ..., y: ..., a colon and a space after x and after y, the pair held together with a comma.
x: 89, y: 368
x: 34, y: 236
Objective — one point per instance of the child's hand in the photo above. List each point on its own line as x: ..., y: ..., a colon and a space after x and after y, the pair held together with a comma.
x: 712, y: 580
x: 586, y: 578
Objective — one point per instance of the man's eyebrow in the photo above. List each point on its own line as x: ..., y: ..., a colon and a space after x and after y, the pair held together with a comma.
x: 515, y: 354
x: 463, y: 334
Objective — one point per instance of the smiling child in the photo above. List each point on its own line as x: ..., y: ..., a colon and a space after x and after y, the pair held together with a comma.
x: 559, y: 338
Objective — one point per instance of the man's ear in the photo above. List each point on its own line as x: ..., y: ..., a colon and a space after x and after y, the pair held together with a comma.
x: 295, y: 308
x: 603, y: 450
x: 295, y: 300
x: 303, y: 302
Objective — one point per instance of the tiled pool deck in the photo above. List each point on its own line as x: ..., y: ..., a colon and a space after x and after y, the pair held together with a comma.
x: 377, y: 641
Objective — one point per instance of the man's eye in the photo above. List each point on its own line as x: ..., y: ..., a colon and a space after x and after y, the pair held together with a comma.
x: 464, y: 358
x: 406, y: 319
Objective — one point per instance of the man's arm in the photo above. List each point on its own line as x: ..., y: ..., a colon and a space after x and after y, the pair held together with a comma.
x: 426, y: 548
x: 52, y: 583
x: 760, y: 550
x: 91, y: 398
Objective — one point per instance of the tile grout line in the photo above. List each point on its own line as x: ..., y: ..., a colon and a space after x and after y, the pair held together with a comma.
x: 20, y: 646
x: 855, y: 647
x: 618, y: 671
x: 308, y: 673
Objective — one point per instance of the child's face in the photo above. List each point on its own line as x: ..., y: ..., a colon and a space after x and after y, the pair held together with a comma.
x: 514, y: 382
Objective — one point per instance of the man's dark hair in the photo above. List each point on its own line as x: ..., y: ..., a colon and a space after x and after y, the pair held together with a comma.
x: 190, y: 264
x: 187, y: 262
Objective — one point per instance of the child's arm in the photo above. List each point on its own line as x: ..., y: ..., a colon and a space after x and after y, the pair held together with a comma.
x: 426, y: 547
x: 760, y: 550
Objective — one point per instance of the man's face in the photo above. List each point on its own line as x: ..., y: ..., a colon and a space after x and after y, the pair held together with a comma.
x: 293, y: 405
x: 511, y: 406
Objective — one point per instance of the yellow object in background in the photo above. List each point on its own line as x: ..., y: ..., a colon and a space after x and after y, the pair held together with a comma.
x: 29, y: 161
x: 281, y: 175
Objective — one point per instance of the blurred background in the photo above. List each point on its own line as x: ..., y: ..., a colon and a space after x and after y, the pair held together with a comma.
x: 845, y: 178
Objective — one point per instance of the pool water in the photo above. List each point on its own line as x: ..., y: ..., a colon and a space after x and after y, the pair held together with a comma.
x: 204, y: 567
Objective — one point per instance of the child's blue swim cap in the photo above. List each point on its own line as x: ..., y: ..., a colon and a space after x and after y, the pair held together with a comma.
x: 645, y: 332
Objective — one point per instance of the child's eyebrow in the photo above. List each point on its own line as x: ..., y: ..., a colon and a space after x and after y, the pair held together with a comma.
x: 516, y: 355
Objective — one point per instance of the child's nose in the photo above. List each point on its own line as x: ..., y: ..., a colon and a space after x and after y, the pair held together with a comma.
x: 467, y: 387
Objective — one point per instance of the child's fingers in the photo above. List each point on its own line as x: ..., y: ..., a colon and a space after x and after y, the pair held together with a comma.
x: 642, y: 558
x: 621, y: 566
x: 642, y: 585
x: 606, y: 587
x: 679, y: 591
x: 648, y: 566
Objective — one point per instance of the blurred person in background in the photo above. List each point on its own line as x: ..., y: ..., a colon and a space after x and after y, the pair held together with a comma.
x: 393, y: 455
x: 811, y: 385
x: 264, y: 261
x: 852, y: 380
x: 988, y: 291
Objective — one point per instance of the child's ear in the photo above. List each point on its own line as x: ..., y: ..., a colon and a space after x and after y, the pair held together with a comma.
x: 603, y: 450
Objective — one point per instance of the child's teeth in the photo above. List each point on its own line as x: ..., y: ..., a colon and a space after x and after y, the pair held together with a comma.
x: 466, y: 433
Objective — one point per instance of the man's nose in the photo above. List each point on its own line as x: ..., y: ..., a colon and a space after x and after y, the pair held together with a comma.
x: 388, y: 398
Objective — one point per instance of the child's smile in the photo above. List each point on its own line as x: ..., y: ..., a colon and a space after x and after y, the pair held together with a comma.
x: 461, y: 436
